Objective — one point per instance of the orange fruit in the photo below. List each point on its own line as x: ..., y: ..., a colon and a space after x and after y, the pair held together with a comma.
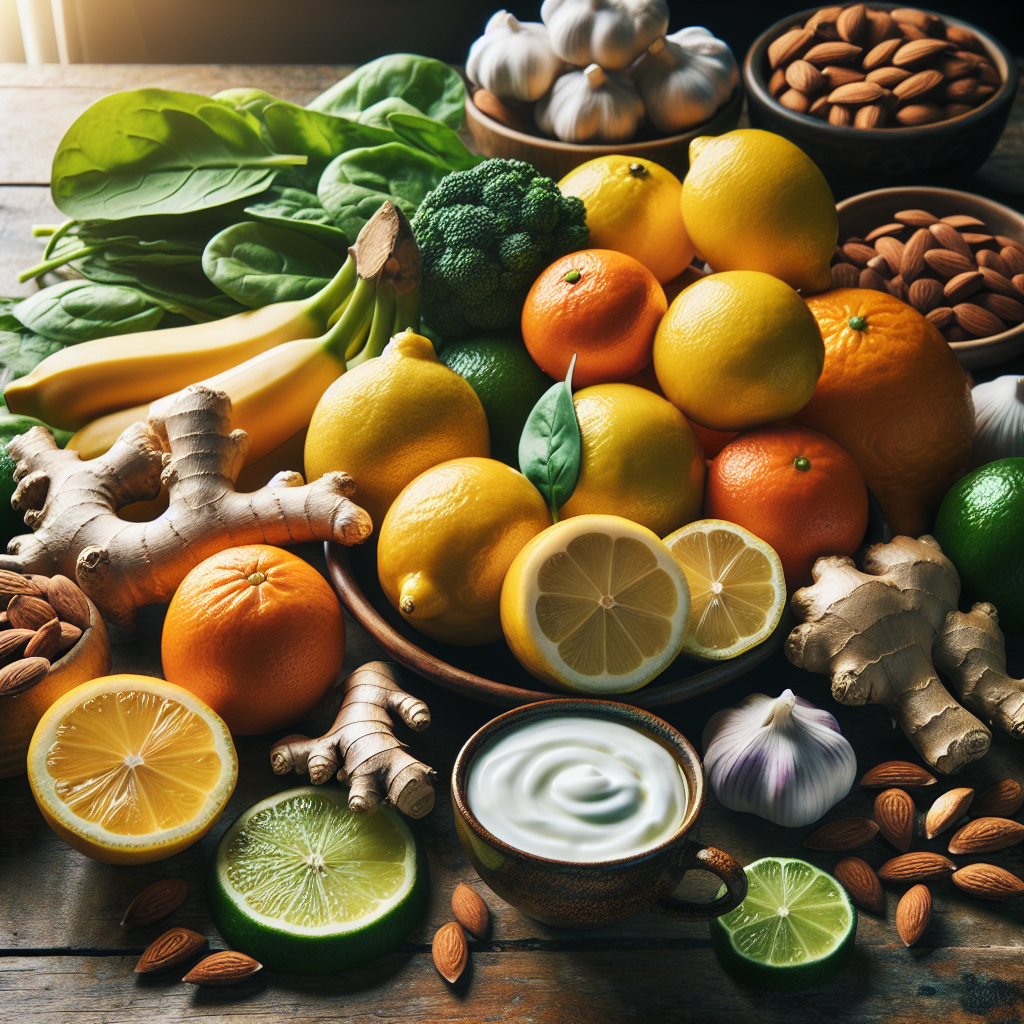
x: 257, y: 634
x: 604, y: 306
x: 894, y: 396
x: 796, y: 490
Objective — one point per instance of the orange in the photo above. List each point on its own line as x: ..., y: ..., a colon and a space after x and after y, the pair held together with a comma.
x: 604, y: 306
x: 894, y: 396
x: 257, y: 634
x: 796, y: 490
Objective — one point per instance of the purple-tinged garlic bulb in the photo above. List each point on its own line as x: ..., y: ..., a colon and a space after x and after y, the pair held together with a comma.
x: 783, y: 759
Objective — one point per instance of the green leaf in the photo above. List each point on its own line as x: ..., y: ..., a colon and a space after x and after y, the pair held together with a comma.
x: 302, y: 211
x: 156, y: 151
x: 434, y: 138
x: 549, y: 449
x: 8, y: 321
x: 379, y: 112
x: 20, y: 353
x: 75, y: 311
x: 431, y: 86
x: 258, y: 264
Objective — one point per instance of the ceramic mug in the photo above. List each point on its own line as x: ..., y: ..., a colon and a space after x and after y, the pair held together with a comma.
x: 571, y: 894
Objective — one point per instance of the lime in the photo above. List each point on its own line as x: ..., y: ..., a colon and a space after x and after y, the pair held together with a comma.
x: 507, y: 381
x: 980, y: 525
x: 307, y: 887
x: 795, y: 929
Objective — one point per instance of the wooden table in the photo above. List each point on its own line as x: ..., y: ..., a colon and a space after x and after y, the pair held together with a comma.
x: 64, y: 957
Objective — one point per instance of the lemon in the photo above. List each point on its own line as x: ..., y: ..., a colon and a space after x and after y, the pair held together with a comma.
x: 754, y: 201
x: 737, y: 588
x: 130, y: 769
x: 392, y: 417
x: 738, y: 350
x: 639, y: 459
x: 633, y: 207
x: 595, y: 604
x: 447, y: 542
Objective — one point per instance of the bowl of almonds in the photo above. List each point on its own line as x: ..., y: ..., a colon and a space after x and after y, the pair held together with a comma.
x: 957, y: 258
x: 878, y: 94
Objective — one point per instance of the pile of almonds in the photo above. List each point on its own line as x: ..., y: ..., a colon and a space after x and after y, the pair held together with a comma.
x: 992, y: 828
x: 42, y: 617
x: 967, y: 281
x: 864, y: 68
x: 450, y: 949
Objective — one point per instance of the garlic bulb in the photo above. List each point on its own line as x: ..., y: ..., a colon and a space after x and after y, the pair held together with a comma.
x: 684, y: 78
x: 513, y: 58
x: 592, y: 105
x: 611, y: 33
x: 998, y: 419
x: 782, y: 759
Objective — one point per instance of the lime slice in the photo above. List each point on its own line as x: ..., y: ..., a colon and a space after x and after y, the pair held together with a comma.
x: 795, y: 929
x: 307, y: 887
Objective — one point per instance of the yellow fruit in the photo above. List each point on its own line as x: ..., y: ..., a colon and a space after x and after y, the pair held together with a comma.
x: 447, y: 542
x: 130, y: 769
x: 738, y: 350
x: 391, y: 418
x: 754, y: 201
x: 737, y: 589
x: 640, y: 459
x: 633, y: 207
x: 595, y: 604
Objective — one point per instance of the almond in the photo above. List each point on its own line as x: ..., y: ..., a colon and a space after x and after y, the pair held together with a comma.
x: 823, y: 23
x: 844, y: 834
x: 913, y: 912
x: 962, y: 286
x: 68, y: 601
x: 941, y: 317
x: 856, y: 93
x: 69, y: 636
x: 1001, y: 799
x: 988, y: 76
x: 851, y: 23
x: 1014, y: 260
x: 45, y: 641
x: 977, y: 321
x: 879, y: 265
x: 948, y: 264
x: 961, y: 221
x: 988, y: 882
x: 911, y: 15
x: 955, y: 67
x: 888, y: 77
x: 897, y: 773
x: 835, y: 77
x: 1008, y: 310
x: 793, y: 99
x: 994, y: 282
x: 892, y: 250
x: 470, y: 910
x: 777, y: 83
x: 963, y: 38
x: 789, y: 45
x: 871, y: 115
x: 840, y: 116
x: 11, y: 642
x: 994, y: 261
x: 961, y: 90
x: 496, y: 108
x: 897, y: 287
x: 920, y: 50
x: 1011, y: 242
x: 947, y: 809
x: 27, y: 612
x: 915, y: 218
x: 916, y: 867
x: 12, y: 583
x: 1018, y: 283
x: 858, y: 252
x: 858, y: 878
x: 224, y: 968
x: 22, y: 675
x: 917, y: 85
x: 820, y: 108
x: 919, y: 113
x: 880, y: 54
x: 886, y: 229
x: 955, y: 333
x: 845, y: 275
x: 910, y: 32
x: 925, y: 294
x: 450, y: 951
x: 804, y: 77
x: 155, y: 901
x: 880, y: 27
x: 172, y: 948
x: 986, y: 834
x: 978, y: 240
x: 912, y: 263
x: 894, y: 812
x: 949, y: 238
x: 832, y: 53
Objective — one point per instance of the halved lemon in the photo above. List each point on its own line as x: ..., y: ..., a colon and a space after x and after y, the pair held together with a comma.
x: 595, y: 604
x: 737, y: 589
x: 130, y: 769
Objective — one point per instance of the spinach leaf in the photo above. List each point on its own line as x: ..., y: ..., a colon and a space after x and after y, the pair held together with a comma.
x: 75, y: 311
x: 431, y: 86
x: 434, y: 138
x: 150, y: 151
x: 258, y: 264
x: 300, y: 210
x: 8, y: 321
x: 379, y: 112
x: 21, y: 352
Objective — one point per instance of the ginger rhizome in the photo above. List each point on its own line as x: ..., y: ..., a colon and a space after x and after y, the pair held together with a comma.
x: 361, y: 746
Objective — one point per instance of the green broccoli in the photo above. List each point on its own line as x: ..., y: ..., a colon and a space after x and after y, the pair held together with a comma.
x: 484, y: 236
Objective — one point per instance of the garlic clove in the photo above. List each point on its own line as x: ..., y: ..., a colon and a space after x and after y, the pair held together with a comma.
x: 513, y: 58
x: 998, y: 419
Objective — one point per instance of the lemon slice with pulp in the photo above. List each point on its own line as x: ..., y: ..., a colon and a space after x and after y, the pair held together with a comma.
x: 595, y: 604
x: 737, y: 589
x: 129, y: 769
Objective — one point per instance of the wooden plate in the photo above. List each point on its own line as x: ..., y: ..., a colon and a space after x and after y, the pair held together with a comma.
x: 490, y: 673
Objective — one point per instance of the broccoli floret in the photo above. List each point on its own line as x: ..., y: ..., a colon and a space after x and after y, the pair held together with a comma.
x: 484, y: 236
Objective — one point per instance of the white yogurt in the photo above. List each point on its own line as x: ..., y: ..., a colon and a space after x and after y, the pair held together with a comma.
x: 577, y: 788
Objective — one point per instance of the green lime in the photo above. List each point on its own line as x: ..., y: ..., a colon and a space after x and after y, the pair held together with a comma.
x: 307, y: 887
x: 980, y: 526
x: 507, y: 382
x: 795, y: 929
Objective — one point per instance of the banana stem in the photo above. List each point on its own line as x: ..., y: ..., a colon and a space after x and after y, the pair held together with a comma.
x: 381, y: 328
x: 407, y: 311
x: 357, y: 314
x: 335, y: 292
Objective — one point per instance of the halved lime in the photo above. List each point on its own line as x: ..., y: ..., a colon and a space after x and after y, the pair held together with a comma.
x: 795, y: 929
x: 307, y: 887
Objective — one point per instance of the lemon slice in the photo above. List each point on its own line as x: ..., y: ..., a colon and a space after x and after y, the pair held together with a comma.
x: 595, y: 604
x: 737, y: 589
x: 130, y: 769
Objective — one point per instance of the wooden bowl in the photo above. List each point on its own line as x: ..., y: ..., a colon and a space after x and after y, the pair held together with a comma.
x: 556, y: 159
x: 490, y: 673
x: 859, y: 214
x: 19, y: 715
x: 856, y: 158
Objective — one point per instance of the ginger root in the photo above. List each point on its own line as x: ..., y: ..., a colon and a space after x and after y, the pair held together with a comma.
x: 971, y: 652
x: 873, y: 631
x: 72, y: 505
x: 362, y: 748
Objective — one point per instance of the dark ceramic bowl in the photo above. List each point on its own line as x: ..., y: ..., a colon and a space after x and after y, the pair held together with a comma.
x: 589, y: 895
x: 853, y: 159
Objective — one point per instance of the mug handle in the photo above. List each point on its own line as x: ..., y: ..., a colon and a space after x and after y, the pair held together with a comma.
x: 698, y: 857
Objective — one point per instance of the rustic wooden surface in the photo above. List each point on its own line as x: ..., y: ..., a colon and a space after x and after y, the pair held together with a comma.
x: 63, y: 955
